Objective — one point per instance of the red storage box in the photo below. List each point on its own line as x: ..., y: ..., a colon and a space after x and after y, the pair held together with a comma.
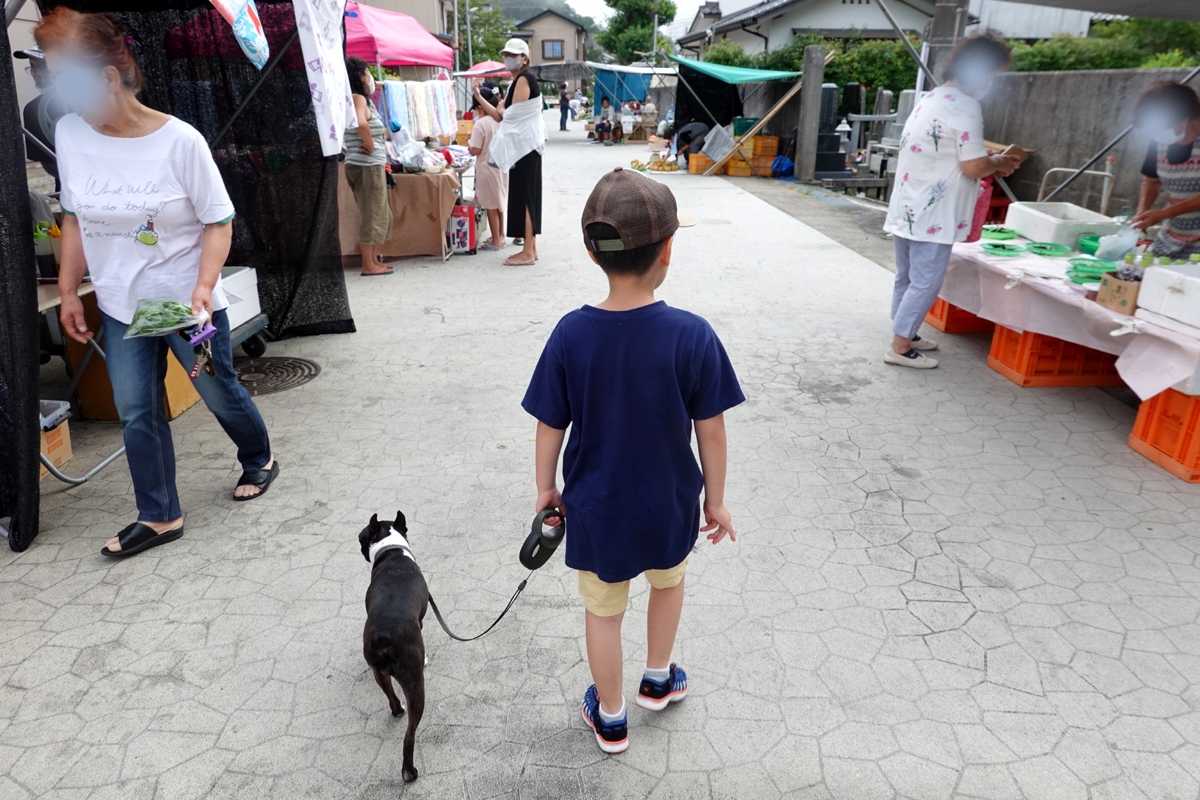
x: 952, y: 319
x: 1167, y: 431
x: 1032, y: 359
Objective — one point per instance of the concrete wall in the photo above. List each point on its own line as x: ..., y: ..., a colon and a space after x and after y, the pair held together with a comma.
x: 430, y: 13
x: 1068, y: 116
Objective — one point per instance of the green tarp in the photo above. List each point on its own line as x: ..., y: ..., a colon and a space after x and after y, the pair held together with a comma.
x: 735, y: 74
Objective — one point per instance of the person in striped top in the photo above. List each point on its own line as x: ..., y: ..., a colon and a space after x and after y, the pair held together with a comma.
x: 366, y: 163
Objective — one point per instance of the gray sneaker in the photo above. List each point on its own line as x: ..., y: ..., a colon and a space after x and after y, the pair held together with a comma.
x: 911, y: 359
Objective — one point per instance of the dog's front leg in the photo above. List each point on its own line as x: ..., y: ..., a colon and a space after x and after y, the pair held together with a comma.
x: 385, y: 683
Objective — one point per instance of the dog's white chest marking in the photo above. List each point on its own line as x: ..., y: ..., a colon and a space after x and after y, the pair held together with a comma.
x: 393, y: 541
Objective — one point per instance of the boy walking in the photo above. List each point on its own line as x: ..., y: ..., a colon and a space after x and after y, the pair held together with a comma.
x: 631, y: 377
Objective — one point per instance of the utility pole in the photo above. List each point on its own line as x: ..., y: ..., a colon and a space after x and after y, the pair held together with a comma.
x: 457, y: 36
x: 470, y: 44
x: 654, y: 38
x: 810, y: 112
x: 947, y: 26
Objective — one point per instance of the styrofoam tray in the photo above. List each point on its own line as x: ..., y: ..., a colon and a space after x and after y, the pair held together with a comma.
x: 1060, y: 223
x: 241, y: 285
x: 1173, y: 292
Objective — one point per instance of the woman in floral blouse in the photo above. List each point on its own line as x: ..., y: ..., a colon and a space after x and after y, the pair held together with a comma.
x: 942, y: 159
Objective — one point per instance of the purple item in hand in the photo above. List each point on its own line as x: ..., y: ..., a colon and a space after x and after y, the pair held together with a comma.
x: 200, y: 333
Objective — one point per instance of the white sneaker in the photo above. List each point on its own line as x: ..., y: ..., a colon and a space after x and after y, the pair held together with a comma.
x: 911, y: 359
x: 924, y: 344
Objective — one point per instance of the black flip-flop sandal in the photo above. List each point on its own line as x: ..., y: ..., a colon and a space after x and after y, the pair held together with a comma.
x: 138, y: 537
x: 262, y: 478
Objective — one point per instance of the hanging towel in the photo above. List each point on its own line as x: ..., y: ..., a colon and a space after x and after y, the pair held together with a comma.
x: 437, y: 90
x: 396, y: 100
x: 421, y: 101
x: 522, y: 131
x: 414, y: 126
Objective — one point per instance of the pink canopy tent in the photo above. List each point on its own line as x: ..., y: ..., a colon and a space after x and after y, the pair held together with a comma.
x: 485, y: 69
x: 378, y: 36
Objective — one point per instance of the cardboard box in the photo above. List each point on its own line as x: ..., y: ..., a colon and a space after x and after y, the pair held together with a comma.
x: 465, y: 125
x: 1118, y: 295
x: 56, y: 446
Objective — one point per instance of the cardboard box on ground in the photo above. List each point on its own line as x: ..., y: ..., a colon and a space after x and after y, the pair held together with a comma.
x: 56, y: 446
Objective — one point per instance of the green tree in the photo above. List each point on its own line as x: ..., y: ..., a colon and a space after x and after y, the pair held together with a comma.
x: 628, y: 33
x: 1153, y: 35
x: 731, y: 54
x: 1169, y: 59
x: 1070, y: 53
x: 489, y: 32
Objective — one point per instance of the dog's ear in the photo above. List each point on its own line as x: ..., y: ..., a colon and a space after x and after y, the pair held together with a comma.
x: 373, y: 525
x: 400, y: 524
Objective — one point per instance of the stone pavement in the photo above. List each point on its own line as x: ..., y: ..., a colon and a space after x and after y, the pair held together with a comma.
x: 944, y: 586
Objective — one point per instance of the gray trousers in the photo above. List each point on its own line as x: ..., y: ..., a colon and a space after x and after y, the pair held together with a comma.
x: 920, y: 270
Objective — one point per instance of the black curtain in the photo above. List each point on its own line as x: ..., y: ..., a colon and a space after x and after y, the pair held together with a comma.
x: 721, y: 98
x: 19, y: 442
x: 284, y: 190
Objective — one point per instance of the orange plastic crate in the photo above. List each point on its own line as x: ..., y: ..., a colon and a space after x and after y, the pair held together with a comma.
x: 762, y: 165
x: 952, y: 319
x: 1032, y: 359
x: 698, y: 162
x: 766, y: 145
x: 1167, y: 431
x: 739, y: 171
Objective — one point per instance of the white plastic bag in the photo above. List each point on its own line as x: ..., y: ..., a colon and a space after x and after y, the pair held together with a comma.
x: 1114, y: 246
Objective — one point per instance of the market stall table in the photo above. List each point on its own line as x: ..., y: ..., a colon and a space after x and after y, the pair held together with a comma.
x: 421, y: 206
x: 1031, y: 293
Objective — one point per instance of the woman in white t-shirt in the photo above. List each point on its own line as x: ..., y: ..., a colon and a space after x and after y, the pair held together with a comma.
x: 942, y: 159
x: 146, y: 214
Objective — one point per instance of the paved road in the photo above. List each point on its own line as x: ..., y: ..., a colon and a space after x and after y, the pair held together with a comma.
x: 945, y: 585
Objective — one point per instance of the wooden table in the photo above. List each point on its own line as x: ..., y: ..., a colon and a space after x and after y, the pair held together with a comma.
x: 421, y: 206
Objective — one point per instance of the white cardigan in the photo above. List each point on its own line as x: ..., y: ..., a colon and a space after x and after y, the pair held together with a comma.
x: 522, y: 130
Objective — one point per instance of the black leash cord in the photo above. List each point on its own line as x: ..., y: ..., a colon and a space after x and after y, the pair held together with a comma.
x: 451, y: 634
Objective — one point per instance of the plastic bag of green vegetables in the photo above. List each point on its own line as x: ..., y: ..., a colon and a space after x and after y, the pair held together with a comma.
x: 158, y: 317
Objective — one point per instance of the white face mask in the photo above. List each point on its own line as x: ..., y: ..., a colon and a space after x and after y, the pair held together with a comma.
x: 370, y: 84
x: 512, y: 63
x: 1168, y: 136
x: 982, y: 93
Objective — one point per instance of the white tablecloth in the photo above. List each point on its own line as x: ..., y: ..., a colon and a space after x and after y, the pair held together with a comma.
x: 1151, y: 360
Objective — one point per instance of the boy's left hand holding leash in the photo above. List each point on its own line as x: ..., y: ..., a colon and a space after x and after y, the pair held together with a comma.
x: 719, y: 521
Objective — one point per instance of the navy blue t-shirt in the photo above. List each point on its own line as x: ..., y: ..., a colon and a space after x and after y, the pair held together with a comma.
x: 629, y: 384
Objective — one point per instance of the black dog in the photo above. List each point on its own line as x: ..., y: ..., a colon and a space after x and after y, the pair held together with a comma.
x: 396, y: 604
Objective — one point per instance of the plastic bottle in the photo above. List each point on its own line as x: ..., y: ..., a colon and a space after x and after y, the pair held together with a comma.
x: 44, y: 255
x: 1130, y: 258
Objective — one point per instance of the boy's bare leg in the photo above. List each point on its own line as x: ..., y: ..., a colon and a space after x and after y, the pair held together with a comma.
x: 604, y: 658
x: 662, y: 621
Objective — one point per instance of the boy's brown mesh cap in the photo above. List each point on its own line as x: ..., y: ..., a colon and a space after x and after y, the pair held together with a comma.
x: 642, y: 210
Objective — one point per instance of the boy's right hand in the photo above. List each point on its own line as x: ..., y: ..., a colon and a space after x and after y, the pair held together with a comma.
x: 551, y: 498
x: 719, y: 521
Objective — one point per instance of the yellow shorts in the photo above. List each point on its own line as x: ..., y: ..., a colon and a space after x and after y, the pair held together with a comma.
x: 609, y: 599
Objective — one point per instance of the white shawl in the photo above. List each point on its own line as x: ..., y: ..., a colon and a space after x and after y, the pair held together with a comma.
x: 522, y: 131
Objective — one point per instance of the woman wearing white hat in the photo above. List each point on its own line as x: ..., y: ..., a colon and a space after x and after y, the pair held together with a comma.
x: 517, y: 148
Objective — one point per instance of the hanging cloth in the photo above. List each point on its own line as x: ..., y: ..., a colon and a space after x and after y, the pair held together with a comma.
x: 397, y: 104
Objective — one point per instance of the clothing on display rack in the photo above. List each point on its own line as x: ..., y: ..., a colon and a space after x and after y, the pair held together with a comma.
x: 425, y: 109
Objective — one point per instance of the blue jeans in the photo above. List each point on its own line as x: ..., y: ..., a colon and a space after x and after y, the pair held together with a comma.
x: 137, y: 368
x: 562, y: 117
x: 920, y: 271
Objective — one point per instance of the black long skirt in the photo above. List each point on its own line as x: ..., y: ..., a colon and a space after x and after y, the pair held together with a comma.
x: 525, y: 192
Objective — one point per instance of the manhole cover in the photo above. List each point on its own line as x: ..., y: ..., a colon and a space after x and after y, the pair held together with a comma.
x: 274, y: 374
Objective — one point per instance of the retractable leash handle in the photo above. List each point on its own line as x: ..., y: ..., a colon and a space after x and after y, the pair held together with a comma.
x: 538, y: 547
x: 543, y: 540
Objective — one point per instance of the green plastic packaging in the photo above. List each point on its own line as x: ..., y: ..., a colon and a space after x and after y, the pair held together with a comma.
x: 160, y: 317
